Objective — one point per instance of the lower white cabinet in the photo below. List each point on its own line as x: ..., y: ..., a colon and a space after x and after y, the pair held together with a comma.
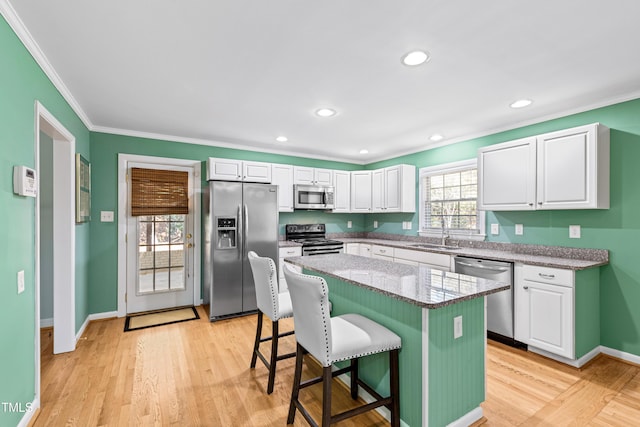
x: 557, y: 311
x: 282, y: 254
x: 382, y: 252
x: 544, y: 307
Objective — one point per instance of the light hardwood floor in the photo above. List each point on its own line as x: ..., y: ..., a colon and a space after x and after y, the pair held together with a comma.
x: 197, y: 374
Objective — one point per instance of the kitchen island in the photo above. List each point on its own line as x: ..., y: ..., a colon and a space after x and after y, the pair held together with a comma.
x: 442, y: 378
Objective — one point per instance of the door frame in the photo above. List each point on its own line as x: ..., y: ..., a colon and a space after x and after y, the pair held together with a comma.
x: 64, y: 309
x: 123, y: 191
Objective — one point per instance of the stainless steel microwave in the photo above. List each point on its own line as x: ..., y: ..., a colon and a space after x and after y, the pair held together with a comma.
x: 313, y: 197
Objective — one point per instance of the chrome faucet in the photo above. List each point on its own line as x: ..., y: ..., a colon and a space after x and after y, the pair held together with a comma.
x: 445, y: 236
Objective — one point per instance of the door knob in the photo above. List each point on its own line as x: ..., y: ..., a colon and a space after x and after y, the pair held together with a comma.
x: 189, y: 235
x: 189, y: 245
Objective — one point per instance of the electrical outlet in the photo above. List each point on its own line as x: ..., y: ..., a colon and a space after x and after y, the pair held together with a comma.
x: 375, y: 224
x: 495, y: 228
x: 349, y: 224
x: 519, y: 229
x: 20, y: 281
x: 408, y: 225
x: 457, y: 327
x: 574, y: 231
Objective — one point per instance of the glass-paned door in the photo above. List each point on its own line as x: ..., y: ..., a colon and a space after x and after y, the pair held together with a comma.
x: 160, y: 256
x: 161, y: 253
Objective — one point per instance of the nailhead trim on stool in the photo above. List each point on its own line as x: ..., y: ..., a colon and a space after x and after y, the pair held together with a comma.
x: 334, y: 339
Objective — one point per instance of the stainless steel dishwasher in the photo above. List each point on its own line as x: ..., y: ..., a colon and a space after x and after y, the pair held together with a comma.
x: 500, y: 304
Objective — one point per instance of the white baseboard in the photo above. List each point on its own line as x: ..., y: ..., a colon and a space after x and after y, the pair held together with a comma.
x: 578, y: 363
x: 468, y: 418
x: 96, y: 316
x: 29, y: 413
x: 46, y: 323
x: 627, y: 357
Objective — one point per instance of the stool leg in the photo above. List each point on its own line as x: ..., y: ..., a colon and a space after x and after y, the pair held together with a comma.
x: 295, y: 392
x: 256, y: 345
x: 354, y: 378
x: 394, y: 378
x: 326, y: 396
x: 274, y: 356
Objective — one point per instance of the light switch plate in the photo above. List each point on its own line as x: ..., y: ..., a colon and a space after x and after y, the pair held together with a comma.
x: 375, y: 224
x: 519, y: 229
x: 349, y: 224
x: 20, y: 281
x: 106, y: 216
x: 495, y: 228
x: 574, y: 231
x: 457, y: 327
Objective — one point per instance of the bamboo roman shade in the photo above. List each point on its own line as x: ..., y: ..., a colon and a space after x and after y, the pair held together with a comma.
x: 159, y: 192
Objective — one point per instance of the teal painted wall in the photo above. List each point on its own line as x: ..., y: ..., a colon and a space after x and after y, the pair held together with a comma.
x: 22, y: 82
x: 616, y: 229
x: 104, y: 169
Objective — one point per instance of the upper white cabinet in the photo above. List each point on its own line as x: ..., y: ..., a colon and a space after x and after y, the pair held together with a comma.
x: 361, y: 191
x: 394, y: 189
x: 312, y: 176
x: 568, y: 169
x: 342, y: 195
x: 507, y: 176
x: 282, y: 176
x: 238, y: 170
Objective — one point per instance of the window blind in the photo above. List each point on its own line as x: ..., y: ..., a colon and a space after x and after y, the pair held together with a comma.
x: 159, y: 192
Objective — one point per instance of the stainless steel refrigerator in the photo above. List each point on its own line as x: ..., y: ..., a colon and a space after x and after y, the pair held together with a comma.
x: 238, y: 218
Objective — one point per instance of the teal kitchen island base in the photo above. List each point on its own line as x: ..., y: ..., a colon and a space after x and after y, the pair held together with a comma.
x: 442, y: 379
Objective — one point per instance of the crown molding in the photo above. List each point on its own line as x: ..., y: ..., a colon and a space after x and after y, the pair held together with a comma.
x: 14, y: 21
x: 600, y: 104
x: 222, y: 144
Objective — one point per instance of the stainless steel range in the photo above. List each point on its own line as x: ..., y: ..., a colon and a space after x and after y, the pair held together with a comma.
x: 313, y: 239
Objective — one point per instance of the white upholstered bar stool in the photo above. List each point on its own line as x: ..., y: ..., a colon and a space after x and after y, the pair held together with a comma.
x: 276, y: 305
x: 336, y: 339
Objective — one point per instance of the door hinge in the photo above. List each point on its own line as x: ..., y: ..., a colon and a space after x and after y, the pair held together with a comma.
x: 126, y: 238
x: 125, y: 297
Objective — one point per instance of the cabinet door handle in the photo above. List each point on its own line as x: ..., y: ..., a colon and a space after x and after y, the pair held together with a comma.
x: 547, y: 276
x: 525, y: 287
x: 539, y: 203
x: 530, y: 204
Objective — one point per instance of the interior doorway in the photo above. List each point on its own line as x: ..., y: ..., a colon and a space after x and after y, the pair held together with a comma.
x: 55, y: 232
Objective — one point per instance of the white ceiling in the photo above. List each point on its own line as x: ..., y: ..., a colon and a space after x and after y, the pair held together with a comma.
x: 241, y: 72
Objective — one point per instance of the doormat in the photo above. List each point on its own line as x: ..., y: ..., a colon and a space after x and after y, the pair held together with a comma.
x: 159, y: 318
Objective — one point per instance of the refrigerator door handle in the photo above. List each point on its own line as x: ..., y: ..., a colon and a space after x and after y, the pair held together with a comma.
x: 246, y: 222
x: 240, y: 236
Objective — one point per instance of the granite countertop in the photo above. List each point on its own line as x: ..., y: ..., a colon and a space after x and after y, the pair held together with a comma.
x: 423, y: 286
x: 546, y: 256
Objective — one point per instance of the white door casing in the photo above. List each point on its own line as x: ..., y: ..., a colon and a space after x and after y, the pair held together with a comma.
x: 126, y: 225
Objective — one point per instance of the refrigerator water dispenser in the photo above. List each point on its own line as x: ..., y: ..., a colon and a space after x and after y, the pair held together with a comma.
x: 226, y: 227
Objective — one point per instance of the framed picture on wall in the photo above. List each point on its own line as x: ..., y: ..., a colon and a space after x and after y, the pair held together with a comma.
x: 83, y: 189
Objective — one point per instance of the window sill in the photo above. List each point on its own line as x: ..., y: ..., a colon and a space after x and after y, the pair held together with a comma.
x: 456, y: 236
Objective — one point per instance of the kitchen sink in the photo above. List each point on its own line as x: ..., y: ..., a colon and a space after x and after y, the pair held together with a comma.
x: 434, y: 246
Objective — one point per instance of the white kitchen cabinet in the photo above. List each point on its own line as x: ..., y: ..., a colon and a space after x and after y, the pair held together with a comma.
x: 238, y: 170
x: 282, y: 254
x: 365, y: 250
x: 507, y: 176
x: 568, y: 169
x: 361, y: 191
x: 428, y: 259
x: 557, y: 312
x: 282, y: 176
x: 573, y: 168
x: 312, y: 176
x: 382, y: 252
x: 394, y: 189
x: 342, y: 195
x: 352, y: 248
x: 544, y: 309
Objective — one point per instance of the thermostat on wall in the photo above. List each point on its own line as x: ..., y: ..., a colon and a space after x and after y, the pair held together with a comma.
x: 24, y: 181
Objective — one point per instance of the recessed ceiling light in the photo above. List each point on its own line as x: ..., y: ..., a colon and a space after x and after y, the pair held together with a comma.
x: 521, y: 103
x: 416, y: 57
x: 325, y: 112
x: 282, y: 139
x: 436, y: 137
x: 364, y: 151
